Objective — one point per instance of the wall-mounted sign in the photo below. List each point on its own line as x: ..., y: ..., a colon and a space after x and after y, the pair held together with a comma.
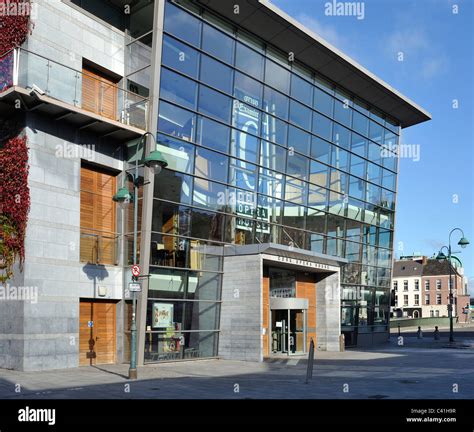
x: 162, y: 315
x: 300, y: 262
x: 134, y: 287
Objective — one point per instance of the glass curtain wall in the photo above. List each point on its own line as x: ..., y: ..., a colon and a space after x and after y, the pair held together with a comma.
x: 260, y: 150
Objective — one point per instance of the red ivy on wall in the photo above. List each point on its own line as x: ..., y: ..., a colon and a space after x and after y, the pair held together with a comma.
x: 14, y: 203
x: 15, y: 25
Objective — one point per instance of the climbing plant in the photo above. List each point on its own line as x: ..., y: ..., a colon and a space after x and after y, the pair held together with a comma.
x: 15, y: 25
x: 14, y: 203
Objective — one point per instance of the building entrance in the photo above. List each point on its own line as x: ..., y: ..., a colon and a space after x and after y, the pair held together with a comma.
x: 288, y: 331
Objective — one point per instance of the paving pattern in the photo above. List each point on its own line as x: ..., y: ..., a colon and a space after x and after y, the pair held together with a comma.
x: 418, y: 369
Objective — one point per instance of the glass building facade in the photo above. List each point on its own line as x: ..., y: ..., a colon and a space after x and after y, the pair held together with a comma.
x: 260, y: 150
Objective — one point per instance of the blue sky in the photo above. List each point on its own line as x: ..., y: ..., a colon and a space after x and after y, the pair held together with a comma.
x: 435, y: 193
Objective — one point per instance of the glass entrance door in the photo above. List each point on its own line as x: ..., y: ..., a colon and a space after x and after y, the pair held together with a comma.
x: 288, y: 331
x: 297, y: 331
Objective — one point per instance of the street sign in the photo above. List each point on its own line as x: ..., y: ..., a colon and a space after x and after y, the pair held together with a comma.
x: 136, y: 270
x: 90, y: 324
x: 134, y: 287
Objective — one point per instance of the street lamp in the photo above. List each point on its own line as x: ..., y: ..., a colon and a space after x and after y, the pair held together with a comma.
x: 463, y: 242
x: 156, y: 162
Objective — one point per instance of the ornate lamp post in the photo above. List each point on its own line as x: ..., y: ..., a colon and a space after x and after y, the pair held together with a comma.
x: 156, y: 162
x: 463, y: 242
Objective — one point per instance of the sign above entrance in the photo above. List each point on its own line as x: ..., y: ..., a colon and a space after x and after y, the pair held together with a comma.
x: 299, y: 262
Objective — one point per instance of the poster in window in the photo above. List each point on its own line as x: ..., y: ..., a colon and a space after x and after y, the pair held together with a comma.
x: 162, y: 315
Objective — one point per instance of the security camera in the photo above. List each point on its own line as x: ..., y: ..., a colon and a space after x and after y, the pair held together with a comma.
x: 36, y: 89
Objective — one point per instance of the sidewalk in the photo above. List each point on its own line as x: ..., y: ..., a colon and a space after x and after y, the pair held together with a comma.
x: 416, y: 370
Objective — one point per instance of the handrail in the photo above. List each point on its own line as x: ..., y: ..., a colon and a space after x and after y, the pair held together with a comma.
x: 64, y: 83
x: 77, y: 71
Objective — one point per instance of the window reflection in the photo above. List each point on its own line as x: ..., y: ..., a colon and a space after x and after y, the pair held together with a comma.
x: 176, y: 121
x: 216, y: 74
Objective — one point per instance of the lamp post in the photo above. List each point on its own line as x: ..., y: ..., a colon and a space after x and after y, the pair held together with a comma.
x: 156, y: 162
x: 463, y: 242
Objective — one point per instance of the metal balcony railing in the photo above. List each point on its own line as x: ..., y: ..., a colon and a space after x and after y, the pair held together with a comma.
x: 23, y: 68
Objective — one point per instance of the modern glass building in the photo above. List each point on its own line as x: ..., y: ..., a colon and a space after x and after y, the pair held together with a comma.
x: 273, y: 222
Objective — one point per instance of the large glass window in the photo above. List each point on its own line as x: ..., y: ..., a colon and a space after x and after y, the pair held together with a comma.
x: 300, y: 115
x: 358, y: 166
x: 178, y: 154
x: 360, y: 123
x: 297, y: 166
x: 301, y: 89
x: 323, y: 102
x: 173, y: 186
x: 249, y: 61
x: 210, y: 195
x: 275, y: 103
x: 244, y: 146
x: 213, y: 134
x: 216, y: 74
x: 342, y: 112
x: 322, y: 126
x: 248, y: 90
x: 243, y: 174
x: 339, y: 158
x: 359, y: 145
x: 207, y: 225
x: 211, y: 165
x: 299, y: 140
x: 341, y: 136
x: 217, y: 43
x: 214, y: 104
x: 274, y: 130
x: 179, y: 56
x: 277, y: 76
x: 316, y: 221
x: 320, y: 150
x: 273, y: 156
x: 175, y: 88
x: 176, y: 121
x: 182, y: 24
x: 376, y: 132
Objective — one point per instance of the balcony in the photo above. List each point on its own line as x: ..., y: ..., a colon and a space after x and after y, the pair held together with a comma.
x: 66, y: 94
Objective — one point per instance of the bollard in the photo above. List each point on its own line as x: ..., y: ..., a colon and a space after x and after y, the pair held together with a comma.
x: 309, y: 369
x: 398, y: 329
x: 419, y: 333
x: 436, y: 333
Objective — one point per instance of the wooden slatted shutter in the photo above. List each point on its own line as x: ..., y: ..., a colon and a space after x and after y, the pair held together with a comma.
x: 98, y: 216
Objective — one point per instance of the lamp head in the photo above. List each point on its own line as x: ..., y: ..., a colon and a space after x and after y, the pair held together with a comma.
x: 123, y: 197
x: 463, y: 242
x: 156, y: 161
x: 441, y: 256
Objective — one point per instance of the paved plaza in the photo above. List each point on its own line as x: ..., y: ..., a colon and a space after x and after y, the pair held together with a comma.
x: 418, y: 369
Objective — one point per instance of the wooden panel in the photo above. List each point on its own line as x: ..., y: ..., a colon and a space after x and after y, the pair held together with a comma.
x: 98, y: 216
x: 306, y: 288
x: 104, y: 332
x: 265, y: 315
x: 97, y: 344
x: 86, y: 335
x: 90, y: 92
x: 99, y: 94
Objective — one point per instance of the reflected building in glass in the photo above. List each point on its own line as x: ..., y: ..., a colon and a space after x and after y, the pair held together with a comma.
x: 273, y: 222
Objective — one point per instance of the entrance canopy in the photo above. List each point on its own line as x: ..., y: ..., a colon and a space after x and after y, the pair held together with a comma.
x: 289, y: 257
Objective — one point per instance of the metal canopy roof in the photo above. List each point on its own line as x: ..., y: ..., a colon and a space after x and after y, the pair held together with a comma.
x: 268, y: 22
